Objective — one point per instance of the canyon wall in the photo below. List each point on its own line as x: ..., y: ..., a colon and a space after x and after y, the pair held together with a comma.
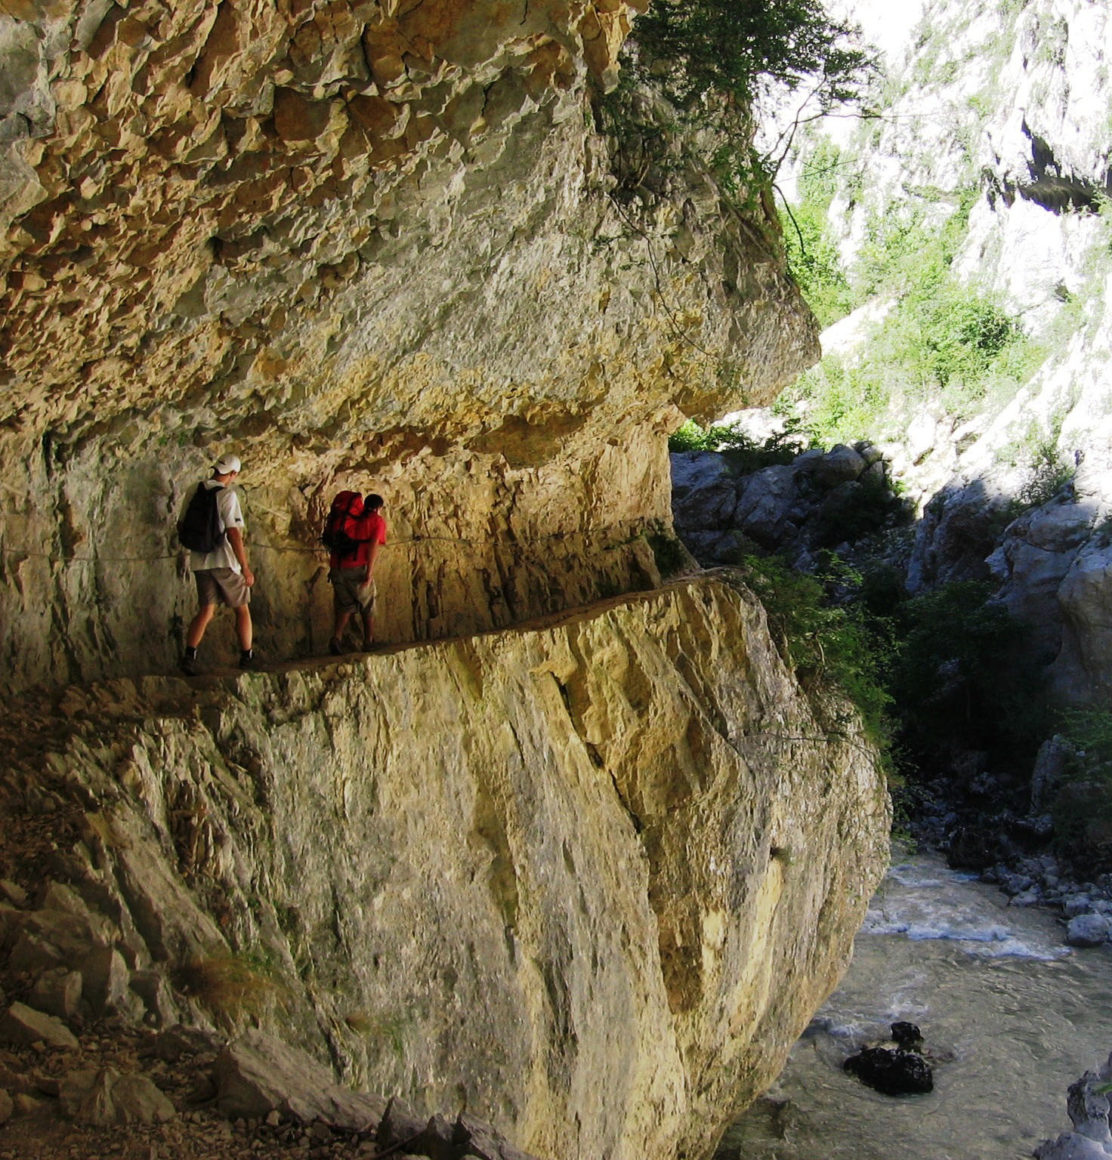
x: 370, y: 245
x: 992, y: 124
x: 587, y: 879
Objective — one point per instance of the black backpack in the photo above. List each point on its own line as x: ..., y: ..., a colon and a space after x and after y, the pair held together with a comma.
x: 334, y: 538
x: 199, y: 529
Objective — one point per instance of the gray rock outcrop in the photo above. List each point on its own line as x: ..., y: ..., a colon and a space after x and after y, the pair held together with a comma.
x: 23, y: 1024
x: 106, y: 1098
x: 818, y: 500
x: 1088, y: 1111
x: 1088, y: 930
x: 258, y: 1073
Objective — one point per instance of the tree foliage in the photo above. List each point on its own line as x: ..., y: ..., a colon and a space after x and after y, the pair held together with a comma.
x: 839, y: 643
x: 701, y: 47
x: 1082, y: 804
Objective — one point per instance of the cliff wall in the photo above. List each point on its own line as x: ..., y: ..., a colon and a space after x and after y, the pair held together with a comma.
x: 994, y: 127
x: 359, y: 244
x: 588, y: 879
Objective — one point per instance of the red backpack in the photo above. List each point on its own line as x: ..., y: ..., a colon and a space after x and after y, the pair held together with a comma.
x: 334, y: 537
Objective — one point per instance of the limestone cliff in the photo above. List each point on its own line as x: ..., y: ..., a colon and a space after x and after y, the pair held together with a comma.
x: 993, y: 124
x: 588, y: 879
x: 360, y: 243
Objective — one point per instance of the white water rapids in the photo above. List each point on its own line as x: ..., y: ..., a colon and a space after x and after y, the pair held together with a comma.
x: 1010, y: 1017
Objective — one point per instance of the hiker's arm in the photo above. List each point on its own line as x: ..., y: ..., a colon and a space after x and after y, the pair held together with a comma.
x: 371, y: 554
x: 235, y: 538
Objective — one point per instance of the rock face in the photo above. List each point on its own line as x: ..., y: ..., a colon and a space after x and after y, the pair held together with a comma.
x: 1088, y: 1110
x: 589, y: 879
x: 994, y: 109
x: 363, y: 244
x: 818, y: 500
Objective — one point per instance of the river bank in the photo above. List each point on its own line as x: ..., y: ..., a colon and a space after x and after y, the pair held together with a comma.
x: 1010, y: 1015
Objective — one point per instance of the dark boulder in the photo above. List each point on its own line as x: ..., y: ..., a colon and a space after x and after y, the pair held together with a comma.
x: 891, y: 1070
x: 907, y: 1036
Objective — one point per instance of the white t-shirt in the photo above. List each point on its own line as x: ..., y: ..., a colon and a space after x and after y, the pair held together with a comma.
x: 231, y: 516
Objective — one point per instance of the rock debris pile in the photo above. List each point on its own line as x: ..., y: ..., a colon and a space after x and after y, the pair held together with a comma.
x: 83, y: 1072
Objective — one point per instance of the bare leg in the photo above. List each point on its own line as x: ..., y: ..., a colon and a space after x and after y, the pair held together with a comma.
x: 368, y: 627
x: 340, y: 624
x: 244, y: 628
x: 198, y: 625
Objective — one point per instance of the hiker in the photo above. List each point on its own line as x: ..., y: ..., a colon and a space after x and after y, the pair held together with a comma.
x: 361, y: 530
x: 222, y: 573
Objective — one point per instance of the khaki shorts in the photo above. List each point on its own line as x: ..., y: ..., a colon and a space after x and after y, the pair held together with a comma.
x: 351, y: 590
x: 222, y: 586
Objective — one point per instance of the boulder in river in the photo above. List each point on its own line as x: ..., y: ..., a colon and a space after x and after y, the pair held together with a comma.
x: 894, y: 1070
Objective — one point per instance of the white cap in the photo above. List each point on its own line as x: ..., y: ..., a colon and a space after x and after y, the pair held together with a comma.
x: 226, y: 465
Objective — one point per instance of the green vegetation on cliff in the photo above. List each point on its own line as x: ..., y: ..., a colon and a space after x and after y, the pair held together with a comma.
x: 706, y: 59
x: 937, y: 338
x: 703, y: 47
x: 827, y: 641
x: 1082, y: 802
x: 931, y: 675
x: 812, y: 250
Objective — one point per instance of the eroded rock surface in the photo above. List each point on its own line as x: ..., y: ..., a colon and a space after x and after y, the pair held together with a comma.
x: 369, y: 245
x: 589, y: 879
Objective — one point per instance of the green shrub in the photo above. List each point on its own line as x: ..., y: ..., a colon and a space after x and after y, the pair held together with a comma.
x: 1049, y: 474
x: 743, y: 453
x: 692, y: 437
x: 955, y: 347
x: 1082, y: 806
x: 816, y: 265
x: 856, y: 510
x: 813, y: 256
x: 941, y: 341
x: 933, y: 676
x: 669, y: 554
x: 965, y: 679
x: 722, y: 46
x: 823, y: 640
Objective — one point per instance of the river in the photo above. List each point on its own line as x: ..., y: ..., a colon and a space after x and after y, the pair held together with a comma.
x: 1009, y: 1014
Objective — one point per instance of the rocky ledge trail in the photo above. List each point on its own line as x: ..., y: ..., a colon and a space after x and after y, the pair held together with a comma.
x: 498, y: 876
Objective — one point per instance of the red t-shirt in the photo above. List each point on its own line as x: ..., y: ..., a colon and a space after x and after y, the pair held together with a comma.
x: 368, y: 529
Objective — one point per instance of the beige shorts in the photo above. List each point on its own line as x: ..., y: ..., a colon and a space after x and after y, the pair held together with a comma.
x: 222, y: 586
x: 351, y: 590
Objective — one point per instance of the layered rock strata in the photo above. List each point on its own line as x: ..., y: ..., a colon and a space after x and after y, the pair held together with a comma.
x: 362, y: 244
x: 587, y: 880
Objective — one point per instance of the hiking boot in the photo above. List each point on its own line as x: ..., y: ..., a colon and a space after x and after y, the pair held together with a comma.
x: 335, y: 648
x: 188, y: 664
x: 247, y: 659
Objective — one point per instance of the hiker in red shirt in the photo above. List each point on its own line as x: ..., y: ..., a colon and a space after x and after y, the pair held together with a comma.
x: 351, y: 565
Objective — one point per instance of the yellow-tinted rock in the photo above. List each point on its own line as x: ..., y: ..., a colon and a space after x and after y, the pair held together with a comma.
x: 361, y: 245
x: 590, y: 877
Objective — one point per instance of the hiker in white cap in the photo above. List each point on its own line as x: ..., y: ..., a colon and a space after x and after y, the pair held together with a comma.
x: 212, y: 528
